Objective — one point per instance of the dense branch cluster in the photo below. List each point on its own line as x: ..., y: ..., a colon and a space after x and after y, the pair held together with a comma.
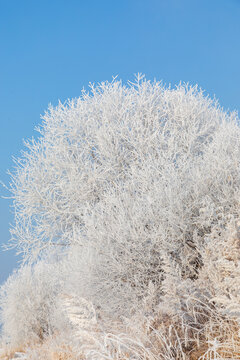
x: 129, y: 201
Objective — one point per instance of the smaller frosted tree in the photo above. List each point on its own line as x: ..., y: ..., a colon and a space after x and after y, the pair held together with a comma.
x: 28, y: 301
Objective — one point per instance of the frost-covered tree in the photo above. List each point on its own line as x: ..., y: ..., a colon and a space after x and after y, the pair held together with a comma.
x: 127, y: 173
x: 133, y: 187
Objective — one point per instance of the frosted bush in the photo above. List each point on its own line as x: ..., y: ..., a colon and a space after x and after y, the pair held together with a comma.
x: 136, y: 188
x: 128, y: 173
x: 28, y: 301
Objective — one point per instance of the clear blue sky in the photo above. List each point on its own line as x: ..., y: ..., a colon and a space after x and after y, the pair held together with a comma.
x: 50, y: 49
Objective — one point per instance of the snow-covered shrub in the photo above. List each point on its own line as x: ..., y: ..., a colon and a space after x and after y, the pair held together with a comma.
x: 127, y: 174
x: 28, y: 301
x: 136, y: 190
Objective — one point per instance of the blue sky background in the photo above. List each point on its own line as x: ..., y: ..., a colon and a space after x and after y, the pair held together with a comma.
x: 50, y: 49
